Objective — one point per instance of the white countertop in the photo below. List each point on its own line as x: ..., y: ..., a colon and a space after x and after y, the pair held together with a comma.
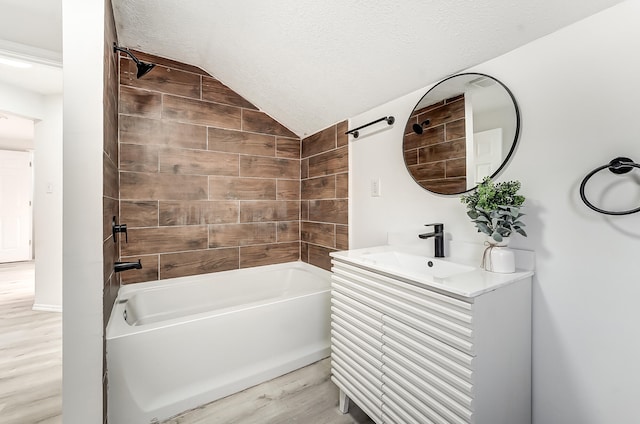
x: 467, y: 284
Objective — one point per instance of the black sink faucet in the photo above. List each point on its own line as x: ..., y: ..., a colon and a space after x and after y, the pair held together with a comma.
x: 438, y: 236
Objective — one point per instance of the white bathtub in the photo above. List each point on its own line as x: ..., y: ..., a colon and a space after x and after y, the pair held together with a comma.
x: 191, y: 340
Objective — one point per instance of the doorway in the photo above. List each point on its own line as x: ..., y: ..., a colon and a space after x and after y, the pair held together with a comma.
x: 16, y: 213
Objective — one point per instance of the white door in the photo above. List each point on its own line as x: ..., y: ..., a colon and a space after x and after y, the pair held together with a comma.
x: 487, y: 155
x: 15, y: 206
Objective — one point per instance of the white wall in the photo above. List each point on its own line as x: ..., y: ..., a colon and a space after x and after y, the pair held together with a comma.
x: 47, y: 206
x: 21, y: 102
x: 83, y: 50
x: 577, y: 90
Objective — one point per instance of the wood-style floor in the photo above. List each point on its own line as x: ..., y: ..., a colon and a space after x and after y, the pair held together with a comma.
x: 30, y: 352
x: 305, y: 396
x: 31, y: 374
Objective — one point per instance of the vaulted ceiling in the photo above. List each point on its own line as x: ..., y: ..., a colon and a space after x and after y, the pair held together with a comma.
x: 309, y: 64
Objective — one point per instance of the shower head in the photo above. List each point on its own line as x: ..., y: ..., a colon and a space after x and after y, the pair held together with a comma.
x: 418, y: 128
x: 143, y: 67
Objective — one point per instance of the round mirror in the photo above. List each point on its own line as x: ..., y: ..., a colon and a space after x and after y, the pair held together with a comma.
x: 464, y: 129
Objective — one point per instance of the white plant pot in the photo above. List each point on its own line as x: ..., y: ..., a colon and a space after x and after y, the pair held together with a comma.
x: 498, y: 257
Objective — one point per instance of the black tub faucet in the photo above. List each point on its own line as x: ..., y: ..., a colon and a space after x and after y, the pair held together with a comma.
x: 124, y: 266
x: 438, y: 238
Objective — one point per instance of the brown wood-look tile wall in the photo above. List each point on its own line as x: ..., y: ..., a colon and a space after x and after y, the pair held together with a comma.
x: 436, y: 158
x: 324, y: 189
x: 207, y: 182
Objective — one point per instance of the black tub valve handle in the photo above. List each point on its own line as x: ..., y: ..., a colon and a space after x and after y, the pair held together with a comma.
x: 121, y: 228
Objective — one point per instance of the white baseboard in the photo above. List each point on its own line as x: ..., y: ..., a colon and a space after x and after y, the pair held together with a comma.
x: 46, y: 308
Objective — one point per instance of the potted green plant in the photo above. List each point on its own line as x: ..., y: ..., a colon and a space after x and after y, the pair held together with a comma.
x: 494, y: 208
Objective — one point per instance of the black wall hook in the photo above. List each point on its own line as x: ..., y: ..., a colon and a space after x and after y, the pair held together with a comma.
x: 122, y: 228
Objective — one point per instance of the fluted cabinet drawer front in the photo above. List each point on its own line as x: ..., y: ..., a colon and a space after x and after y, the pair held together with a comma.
x: 427, y: 399
x: 373, y: 356
x: 455, y: 386
x: 357, y: 380
x: 344, y: 295
x: 452, y: 359
x: 348, y: 308
x: 393, y: 401
x: 349, y: 330
x: 371, y: 371
x: 454, y: 308
x: 389, y: 418
x: 358, y: 291
x: 371, y: 405
x: 423, y: 410
x: 394, y: 302
x: 392, y: 412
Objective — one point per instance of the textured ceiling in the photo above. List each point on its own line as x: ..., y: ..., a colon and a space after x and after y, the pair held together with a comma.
x: 310, y: 64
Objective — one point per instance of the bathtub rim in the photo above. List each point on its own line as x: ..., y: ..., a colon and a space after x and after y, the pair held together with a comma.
x: 117, y: 327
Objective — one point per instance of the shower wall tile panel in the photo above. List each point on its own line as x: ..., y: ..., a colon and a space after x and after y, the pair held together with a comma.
x: 265, y: 167
x: 332, y: 162
x: 207, y: 182
x: 146, y: 241
x: 109, y: 210
x: 162, y: 79
x: 251, y: 256
x: 288, y: 231
x: 149, y: 271
x: 197, y: 162
x: 139, y: 158
x: 139, y: 213
x: 342, y: 137
x: 260, y: 122
x: 242, y: 142
x: 198, y: 212
x: 168, y: 63
x: 140, y: 130
x: 319, y: 188
x: 228, y: 235
x: 436, y: 156
x: 154, y: 186
x: 333, y: 211
x: 456, y: 168
x: 287, y: 189
x: 214, y: 91
x: 140, y: 102
x: 319, y: 256
x: 321, y: 142
x: 342, y: 237
x: 198, y: 262
x: 200, y: 112
x: 109, y: 177
x: 318, y: 233
x: 342, y: 186
x: 242, y: 188
x: 288, y: 148
x: 324, y: 206
x: 442, y: 152
x: 265, y: 210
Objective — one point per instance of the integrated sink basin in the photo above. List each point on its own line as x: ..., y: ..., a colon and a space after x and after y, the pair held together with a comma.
x: 415, y: 265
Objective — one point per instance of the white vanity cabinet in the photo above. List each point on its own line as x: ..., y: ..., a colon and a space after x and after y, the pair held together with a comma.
x: 410, y: 353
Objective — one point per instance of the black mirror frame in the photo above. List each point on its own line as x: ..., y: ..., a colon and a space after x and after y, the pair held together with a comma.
x: 516, y: 136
